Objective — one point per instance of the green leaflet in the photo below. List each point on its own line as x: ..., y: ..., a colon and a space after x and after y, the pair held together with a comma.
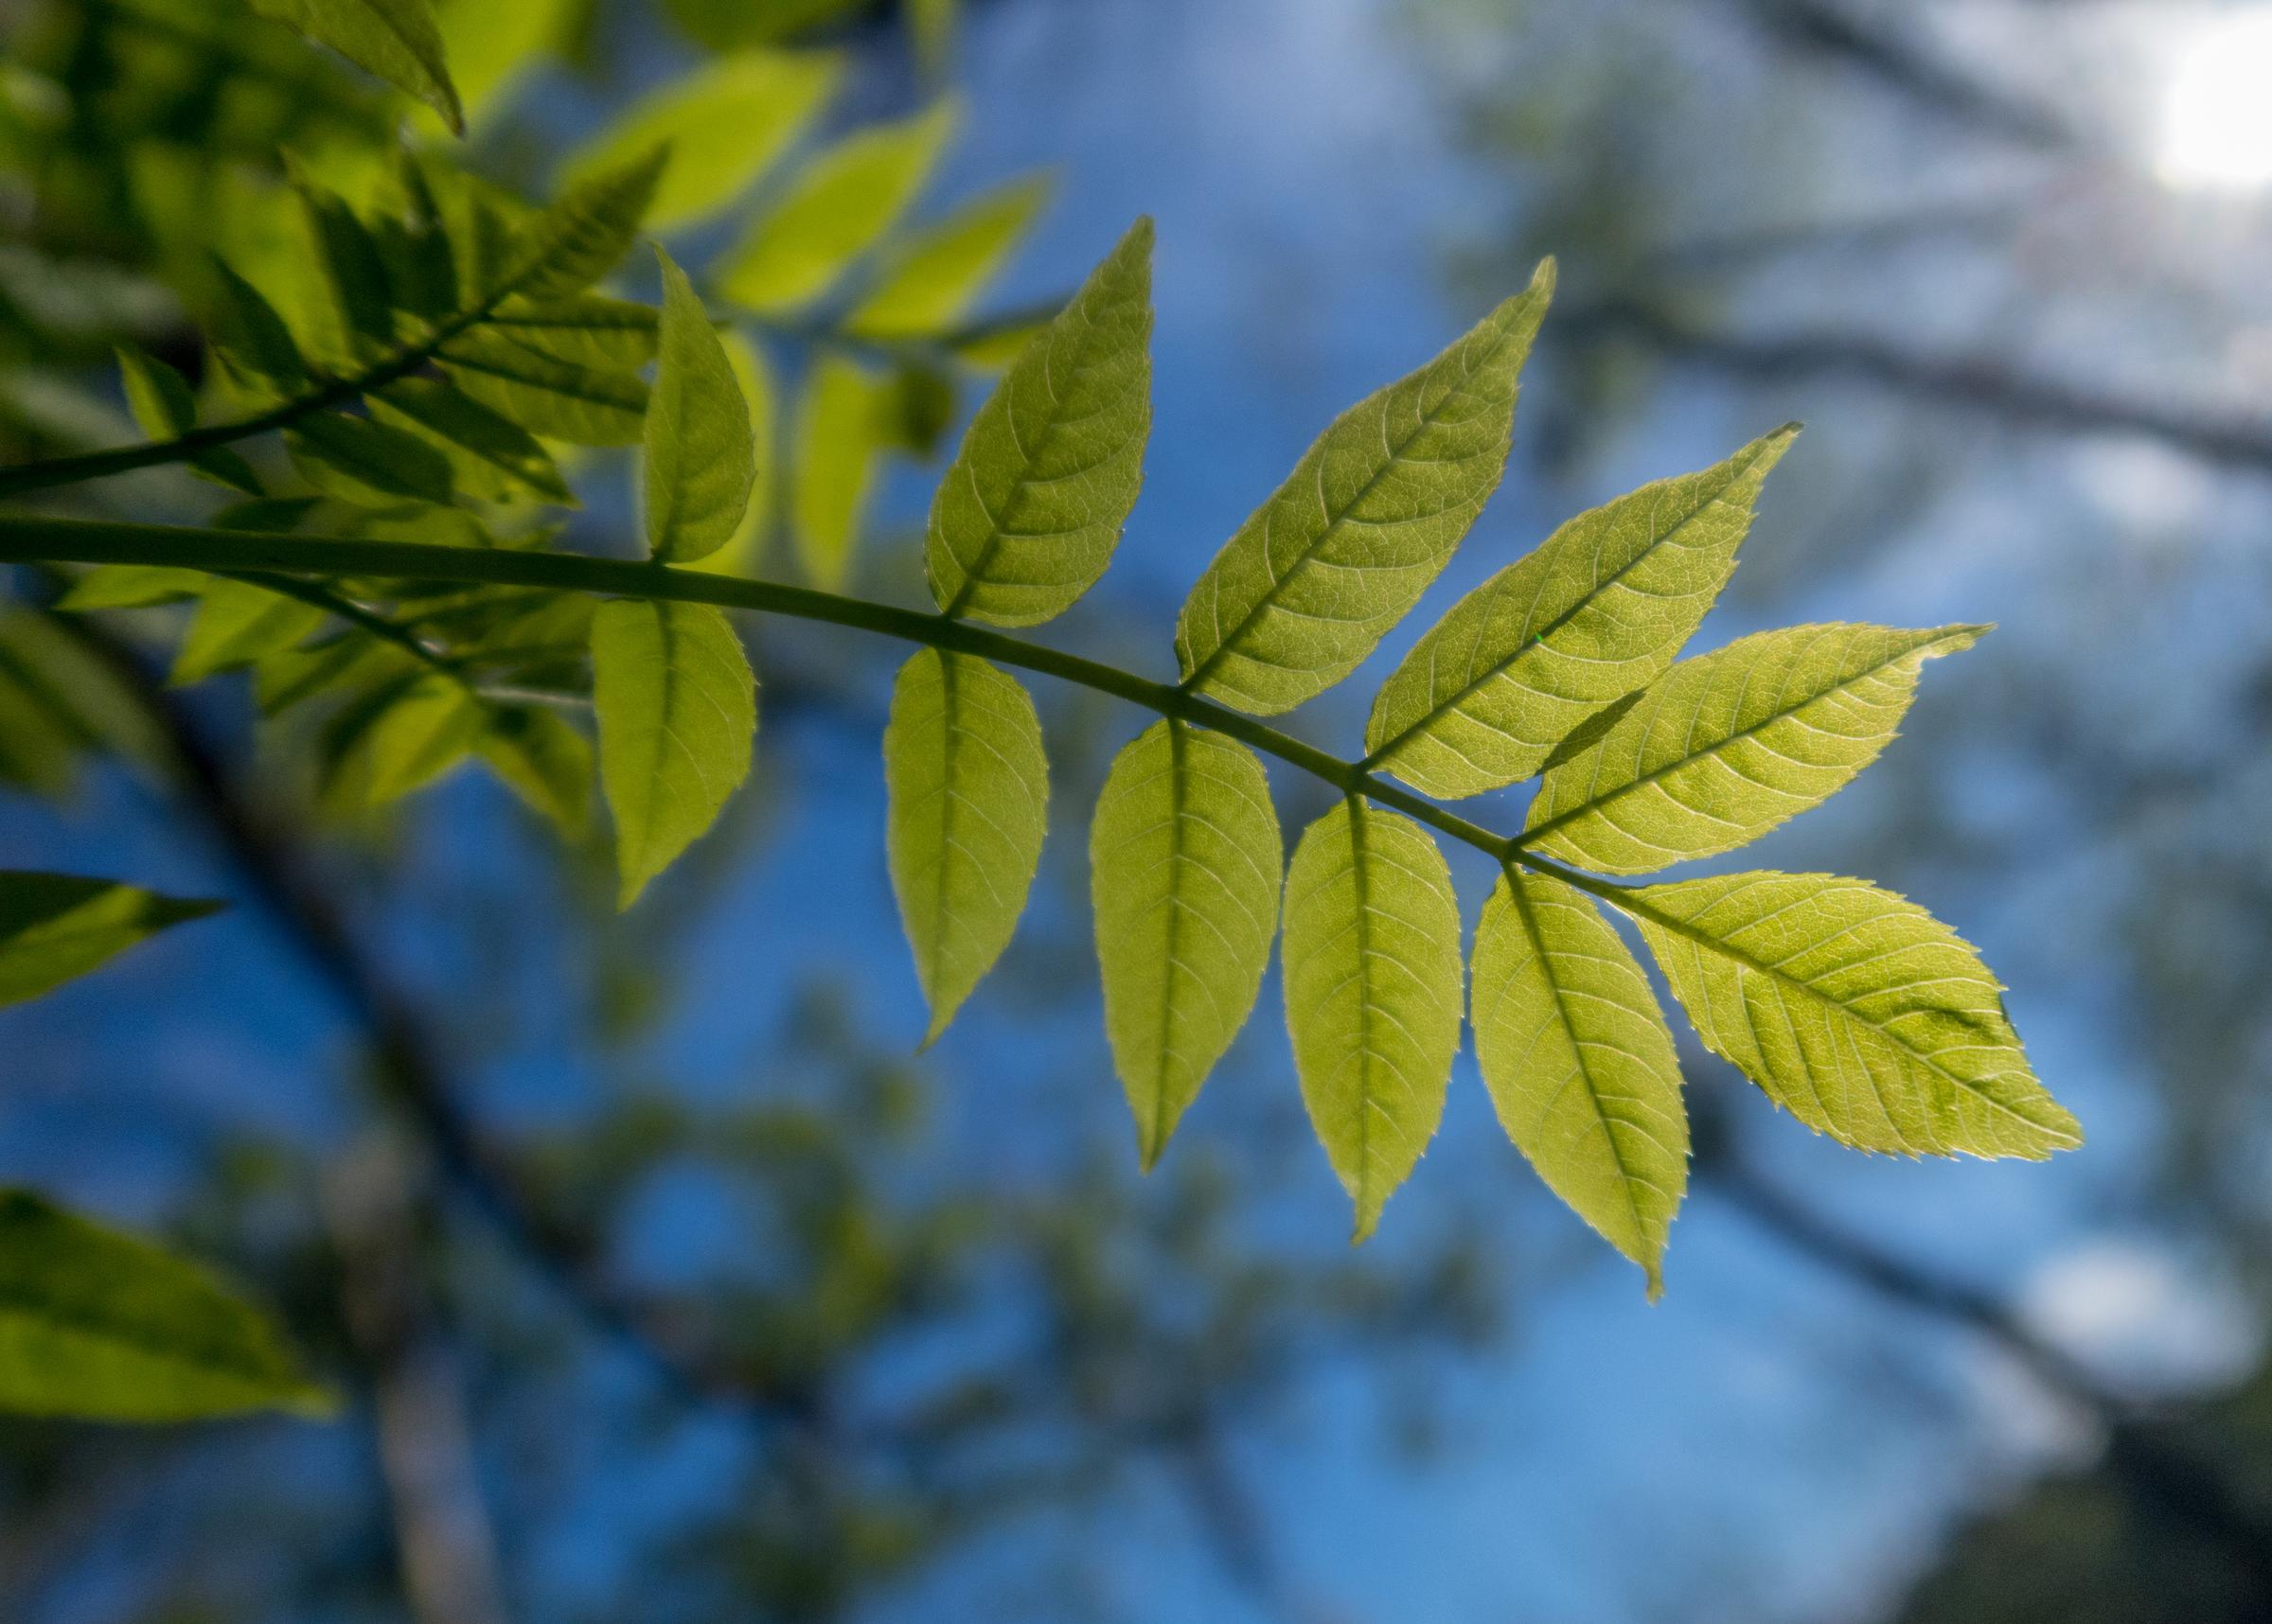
x: 1339, y: 554
x: 583, y: 405
x: 100, y: 1325
x: 1580, y: 1064
x: 397, y: 740
x: 678, y: 718
x: 254, y: 347
x: 60, y: 701
x: 163, y: 409
x: 1855, y: 1009
x: 968, y: 791
x: 1730, y: 744
x: 725, y: 123
x: 843, y: 428
x: 54, y: 927
x: 701, y: 459
x: 396, y: 40
x: 586, y: 232
x: 844, y: 201
x: 352, y: 273
x: 1184, y: 864
x: 589, y: 329
x: 237, y: 624
x: 742, y: 554
x: 541, y: 759
x: 1372, y: 965
x: 1027, y: 518
x: 1599, y: 610
x: 930, y: 281
x: 368, y: 462
x: 132, y: 586
x: 489, y: 456
x: 493, y: 47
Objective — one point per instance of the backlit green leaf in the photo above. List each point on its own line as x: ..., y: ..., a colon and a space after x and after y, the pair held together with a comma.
x: 237, y: 624
x: 397, y: 740
x: 1599, y: 610
x: 1373, y: 978
x: 101, y: 1325
x: 583, y: 405
x: 1855, y: 1010
x: 590, y: 330
x: 844, y: 427
x: 252, y: 341
x: 396, y: 40
x: 726, y: 124
x: 586, y: 232
x: 54, y: 927
x: 701, y: 459
x: 132, y: 586
x: 1027, y: 518
x: 930, y: 281
x: 1730, y: 744
x: 968, y: 790
x: 1184, y: 863
x: 544, y: 759
x: 351, y: 272
x: 489, y: 456
x: 742, y: 554
x: 842, y: 202
x: 365, y: 461
x: 678, y: 720
x: 1580, y: 1064
x: 1319, y: 572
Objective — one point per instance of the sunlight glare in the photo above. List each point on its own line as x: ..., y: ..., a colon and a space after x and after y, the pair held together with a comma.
x: 2216, y: 125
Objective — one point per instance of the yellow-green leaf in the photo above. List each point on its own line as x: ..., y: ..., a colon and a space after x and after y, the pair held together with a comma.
x: 583, y: 405
x: 397, y: 740
x: 490, y: 456
x: 842, y: 202
x: 586, y: 231
x: 163, y: 409
x: 589, y: 329
x: 544, y: 759
x: 1580, y: 1064
x: 101, y: 1325
x: 1730, y: 744
x: 395, y: 39
x: 1855, y: 1010
x: 1027, y: 518
x: 1599, y: 610
x: 726, y: 123
x: 54, y: 927
x: 930, y: 281
x: 366, y: 460
x: 701, y: 459
x: 844, y: 427
x: 678, y: 718
x: 1318, y: 573
x: 743, y: 551
x: 237, y: 624
x: 1373, y: 978
x: 968, y: 792
x: 1184, y: 863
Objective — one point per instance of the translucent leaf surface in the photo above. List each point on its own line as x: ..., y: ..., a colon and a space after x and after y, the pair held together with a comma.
x: 1027, y: 518
x: 842, y: 202
x: 701, y: 460
x: 1579, y: 1061
x: 726, y: 123
x: 589, y: 329
x: 1855, y: 1010
x: 844, y: 427
x: 395, y: 39
x: 931, y: 280
x: 1730, y: 744
x: 489, y: 455
x: 1321, y: 571
x: 678, y: 719
x: 54, y: 927
x: 1184, y: 863
x: 237, y: 624
x: 1372, y: 983
x: 968, y: 788
x: 586, y: 231
x: 583, y: 405
x: 367, y: 461
x: 100, y: 1325
x: 1599, y: 610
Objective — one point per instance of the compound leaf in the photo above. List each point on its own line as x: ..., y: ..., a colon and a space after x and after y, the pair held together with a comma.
x: 1730, y: 744
x: 370, y: 462
x: 1372, y: 974
x: 165, y: 409
x: 395, y: 39
x: 1339, y: 554
x: 678, y: 718
x: 844, y: 201
x: 700, y: 457
x: 1185, y: 863
x: 54, y: 927
x: 1580, y: 1064
x: 102, y: 1325
x: 489, y: 455
x: 968, y: 791
x: 583, y: 405
x: 1027, y: 518
x: 586, y: 231
x: 1855, y: 1010
x: 1599, y: 610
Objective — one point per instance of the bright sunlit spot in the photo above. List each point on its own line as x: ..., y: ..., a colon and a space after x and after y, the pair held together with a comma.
x: 2216, y: 123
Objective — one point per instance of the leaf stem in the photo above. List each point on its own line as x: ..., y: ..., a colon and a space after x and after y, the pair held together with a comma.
x: 239, y: 551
